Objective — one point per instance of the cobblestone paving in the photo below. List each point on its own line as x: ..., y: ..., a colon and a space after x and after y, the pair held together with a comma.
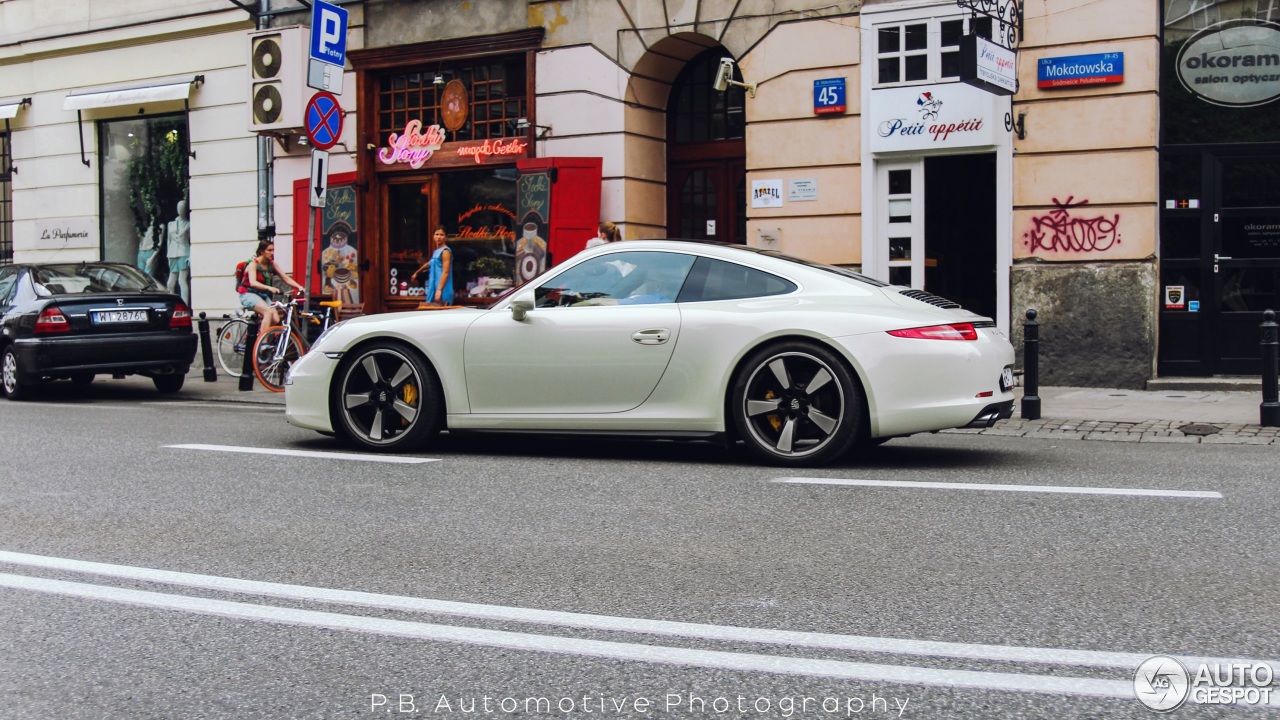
x: 1149, y: 431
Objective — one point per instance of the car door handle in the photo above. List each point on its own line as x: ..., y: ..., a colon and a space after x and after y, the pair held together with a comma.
x: 656, y: 336
x: 1217, y: 257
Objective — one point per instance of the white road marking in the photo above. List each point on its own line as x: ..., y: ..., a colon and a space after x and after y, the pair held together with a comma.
x: 1201, y: 494
x: 306, y: 453
x: 725, y: 633
x: 71, y: 406
x: 1011, y: 682
x: 220, y: 405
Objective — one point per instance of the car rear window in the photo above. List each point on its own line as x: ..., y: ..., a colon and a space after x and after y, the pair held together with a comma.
x: 91, y: 278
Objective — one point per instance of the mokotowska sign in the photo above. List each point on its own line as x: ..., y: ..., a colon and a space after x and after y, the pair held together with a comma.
x: 1234, y: 63
x: 932, y: 117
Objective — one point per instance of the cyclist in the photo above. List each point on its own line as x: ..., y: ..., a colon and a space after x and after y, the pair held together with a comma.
x: 258, y: 286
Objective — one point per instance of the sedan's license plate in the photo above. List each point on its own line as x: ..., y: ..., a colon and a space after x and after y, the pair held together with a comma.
x: 1006, y: 379
x: 110, y: 317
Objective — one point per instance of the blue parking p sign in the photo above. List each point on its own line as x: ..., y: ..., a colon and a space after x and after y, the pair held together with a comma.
x: 328, y: 33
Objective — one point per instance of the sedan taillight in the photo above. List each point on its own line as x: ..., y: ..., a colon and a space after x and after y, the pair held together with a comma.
x: 181, y: 317
x: 955, y: 331
x: 52, y: 320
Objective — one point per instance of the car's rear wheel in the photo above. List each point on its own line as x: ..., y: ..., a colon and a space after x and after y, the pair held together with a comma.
x: 797, y: 404
x: 169, y: 383
x: 13, y: 381
x: 387, y: 399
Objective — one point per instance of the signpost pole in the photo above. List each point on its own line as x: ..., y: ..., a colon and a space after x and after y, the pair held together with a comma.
x: 311, y: 254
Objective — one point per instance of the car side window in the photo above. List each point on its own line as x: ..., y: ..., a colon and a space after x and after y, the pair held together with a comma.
x: 625, y: 278
x: 721, y: 280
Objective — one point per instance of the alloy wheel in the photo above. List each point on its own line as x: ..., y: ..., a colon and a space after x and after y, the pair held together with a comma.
x: 797, y: 405
x: 385, y: 399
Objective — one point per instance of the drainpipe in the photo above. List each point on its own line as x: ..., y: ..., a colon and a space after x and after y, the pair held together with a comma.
x: 266, y: 160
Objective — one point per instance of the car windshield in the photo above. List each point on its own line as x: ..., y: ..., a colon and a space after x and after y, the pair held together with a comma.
x: 91, y: 278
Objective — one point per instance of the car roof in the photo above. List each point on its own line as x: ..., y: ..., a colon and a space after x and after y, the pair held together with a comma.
x: 759, y: 257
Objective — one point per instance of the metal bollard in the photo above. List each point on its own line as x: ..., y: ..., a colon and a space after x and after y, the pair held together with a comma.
x: 1031, y: 368
x: 206, y: 350
x: 1269, y: 411
x: 250, y: 339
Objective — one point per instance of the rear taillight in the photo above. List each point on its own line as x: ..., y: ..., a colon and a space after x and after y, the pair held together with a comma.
x: 956, y: 331
x: 181, y: 317
x: 52, y: 320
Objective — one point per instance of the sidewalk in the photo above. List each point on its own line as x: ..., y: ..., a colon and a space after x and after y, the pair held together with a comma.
x: 1168, y: 416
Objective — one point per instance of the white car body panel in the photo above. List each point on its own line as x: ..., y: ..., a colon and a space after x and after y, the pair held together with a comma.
x: 602, y: 359
x: 578, y: 369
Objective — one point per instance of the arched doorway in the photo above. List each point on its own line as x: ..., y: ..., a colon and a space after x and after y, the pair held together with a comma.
x: 706, y: 154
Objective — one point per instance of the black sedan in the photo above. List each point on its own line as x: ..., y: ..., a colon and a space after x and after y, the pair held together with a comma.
x: 75, y: 320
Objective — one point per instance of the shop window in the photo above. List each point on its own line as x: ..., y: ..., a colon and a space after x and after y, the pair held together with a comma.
x: 926, y: 50
x: 143, y: 166
x: 6, y: 200
x: 1251, y: 182
x: 495, y: 98
x: 477, y: 210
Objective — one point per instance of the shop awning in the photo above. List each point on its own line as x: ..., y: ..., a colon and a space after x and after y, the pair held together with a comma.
x: 9, y: 111
x: 129, y: 96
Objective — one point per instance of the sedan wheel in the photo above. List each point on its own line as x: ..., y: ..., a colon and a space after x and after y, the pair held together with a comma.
x: 12, y: 380
x: 386, y: 399
x: 796, y: 404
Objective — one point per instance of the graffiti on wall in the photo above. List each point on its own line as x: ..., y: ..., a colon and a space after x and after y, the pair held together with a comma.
x: 1061, y: 231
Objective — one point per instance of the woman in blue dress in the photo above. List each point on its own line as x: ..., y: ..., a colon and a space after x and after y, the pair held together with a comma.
x: 439, y: 285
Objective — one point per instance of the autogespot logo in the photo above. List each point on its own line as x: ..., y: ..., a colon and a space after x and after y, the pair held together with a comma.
x: 1162, y: 683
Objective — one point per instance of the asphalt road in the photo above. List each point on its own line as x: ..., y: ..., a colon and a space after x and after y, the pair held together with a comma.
x: 613, y: 578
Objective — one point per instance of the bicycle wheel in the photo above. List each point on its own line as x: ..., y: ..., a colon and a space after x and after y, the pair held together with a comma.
x: 273, y: 354
x: 231, y: 345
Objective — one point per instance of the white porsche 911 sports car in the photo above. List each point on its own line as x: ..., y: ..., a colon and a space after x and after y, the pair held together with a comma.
x: 666, y: 338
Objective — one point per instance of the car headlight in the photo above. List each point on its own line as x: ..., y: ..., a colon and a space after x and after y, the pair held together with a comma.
x: 328, y: 331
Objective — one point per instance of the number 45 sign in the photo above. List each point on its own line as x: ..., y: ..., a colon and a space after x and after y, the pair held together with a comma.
x: 828, y: 96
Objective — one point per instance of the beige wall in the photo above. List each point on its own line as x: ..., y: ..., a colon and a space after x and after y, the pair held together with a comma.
x: 1086, y: 177
x: 604, y: 79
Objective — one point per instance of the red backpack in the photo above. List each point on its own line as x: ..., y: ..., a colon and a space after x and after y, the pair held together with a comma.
x: 242, y: 278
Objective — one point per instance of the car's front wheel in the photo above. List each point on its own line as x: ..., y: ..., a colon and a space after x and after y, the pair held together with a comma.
x: 14, y: 382
x: 386, y: 399
x: 797, y: 404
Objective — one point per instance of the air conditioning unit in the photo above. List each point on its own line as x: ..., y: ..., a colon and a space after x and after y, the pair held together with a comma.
x: 277, y: 79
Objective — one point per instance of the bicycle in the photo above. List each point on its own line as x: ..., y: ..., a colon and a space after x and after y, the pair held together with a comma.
x: 231, y: 343
x: 279, y: 346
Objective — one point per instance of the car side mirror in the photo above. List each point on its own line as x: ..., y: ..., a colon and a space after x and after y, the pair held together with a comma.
x: 520, y: 308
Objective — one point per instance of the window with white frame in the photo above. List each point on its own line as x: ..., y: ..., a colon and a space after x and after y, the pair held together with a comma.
x: 924, y: 50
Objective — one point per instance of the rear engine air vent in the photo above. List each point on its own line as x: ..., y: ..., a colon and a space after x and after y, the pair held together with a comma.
x: 930, y: 298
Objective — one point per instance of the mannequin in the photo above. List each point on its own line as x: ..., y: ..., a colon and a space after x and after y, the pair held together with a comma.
x: 179, y: 236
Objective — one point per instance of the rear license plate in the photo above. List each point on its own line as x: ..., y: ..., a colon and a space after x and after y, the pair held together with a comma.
x: 1006, y: 379
x: 112, y: 317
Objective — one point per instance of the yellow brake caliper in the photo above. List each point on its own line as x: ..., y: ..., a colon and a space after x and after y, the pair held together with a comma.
x: 409, y: 393
x: 774, y: 420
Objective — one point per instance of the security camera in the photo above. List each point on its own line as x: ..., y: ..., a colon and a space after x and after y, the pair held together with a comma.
x: 724, y: 75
